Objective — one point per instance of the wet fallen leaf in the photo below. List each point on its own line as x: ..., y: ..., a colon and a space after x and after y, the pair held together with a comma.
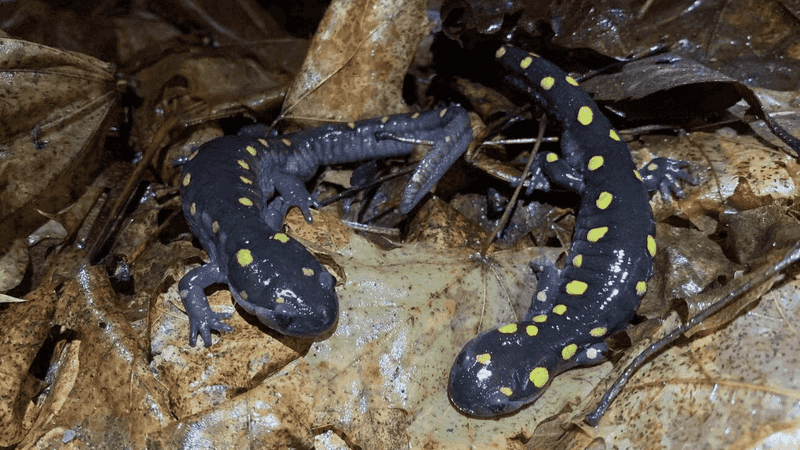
x: 53, y: 117
x: 356, y: 63
x: 379, y: 380
x: 25, y: 327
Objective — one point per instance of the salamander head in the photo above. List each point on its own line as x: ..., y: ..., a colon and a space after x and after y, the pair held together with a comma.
x: 504, y: 369
x: 501, y: 370
x: 285, y: 287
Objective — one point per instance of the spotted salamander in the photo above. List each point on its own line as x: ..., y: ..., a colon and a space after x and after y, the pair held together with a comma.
x: 609, y: 263
x: 228, y: 190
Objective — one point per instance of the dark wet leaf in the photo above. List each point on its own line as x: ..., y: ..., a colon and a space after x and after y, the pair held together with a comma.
x: 53, y: 117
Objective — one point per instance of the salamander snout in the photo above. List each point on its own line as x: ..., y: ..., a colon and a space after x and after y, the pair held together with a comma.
x: 294, y: 296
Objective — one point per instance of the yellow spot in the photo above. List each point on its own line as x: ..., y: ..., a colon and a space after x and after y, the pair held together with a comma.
x: 652, y: 167
x: 641, y: 288
x: 187, y: 179
x: 585, y: 115
x: 651, y: 246
x: 539, y: 377
x: 506, y: 391
x: 604, y: 200
x: 443, y: 112
x: 415, y: 115
x: 526, y: 62
x: 637, y: 175
x: 447, y: 139
x: 541, y: 296
x: 252, y: 150
x: 308, y: 272
x: 596, y: 162
x: 243, y: 164
x: 560, y: 309
x: 246, y: 180
x: 500, y: 52
x: 577, y: 261
x: 592, y: 353
x: 541, y: 318
x: 576, y: 287
x: 511, y: 328
x: 613, y: 135
x: 384, y: 119
x: 547, y: 83
x: 351, y: 125
x: 484, y: 358
x: 571, y: 81
x: 280, y: 300
x: 244, y: 257
x: 263, y: 142
x: 243, y: 294
x: 191, y: 157
x: 569, y: 351
x: 246, y: 201
x: 551, y: 157
x: 281, y: 237
x: 215, y: 226
x: 193, y: 208
x: 599, y: 331
x: 595, y: 234
x: 286, y: 142
x: 532, y: 330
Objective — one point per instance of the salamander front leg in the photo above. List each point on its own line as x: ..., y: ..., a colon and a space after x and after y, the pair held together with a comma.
x: 201, y: 318
x: 664, y: 175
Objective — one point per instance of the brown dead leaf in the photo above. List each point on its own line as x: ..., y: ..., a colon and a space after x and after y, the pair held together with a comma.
x: 730, y: 389
x: 357, y: 60
x: 101, y: 386
x: 53, y: 114
x: 391, y: 350
x: 25, y: 327
x: 13, y: 265
x: 198, y: 85
x: 380, y: 378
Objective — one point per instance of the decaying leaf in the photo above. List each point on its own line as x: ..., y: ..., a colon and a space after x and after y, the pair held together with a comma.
x: 25, y: 328
x: 356, y: 63
x: 52, y: 118
x: 118, y: 366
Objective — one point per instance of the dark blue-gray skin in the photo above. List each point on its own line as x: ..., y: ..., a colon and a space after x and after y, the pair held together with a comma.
x: 230, y: 188
x: 611, y: 258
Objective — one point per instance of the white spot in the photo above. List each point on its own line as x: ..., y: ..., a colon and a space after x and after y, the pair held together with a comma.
x: 484, y: 374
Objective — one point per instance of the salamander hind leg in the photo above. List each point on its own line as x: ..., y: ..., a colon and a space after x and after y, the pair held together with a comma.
x: 547, y: 170
x: 549, y: 279
x: 450, y: 140
x: 293, y: 192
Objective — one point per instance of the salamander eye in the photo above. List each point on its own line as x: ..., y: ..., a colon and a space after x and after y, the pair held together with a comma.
x: 326, y: 280
x: 497, y: 403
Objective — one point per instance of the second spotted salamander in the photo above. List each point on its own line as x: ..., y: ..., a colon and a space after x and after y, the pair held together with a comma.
x: 228, y: 190
x: 611, y: 257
